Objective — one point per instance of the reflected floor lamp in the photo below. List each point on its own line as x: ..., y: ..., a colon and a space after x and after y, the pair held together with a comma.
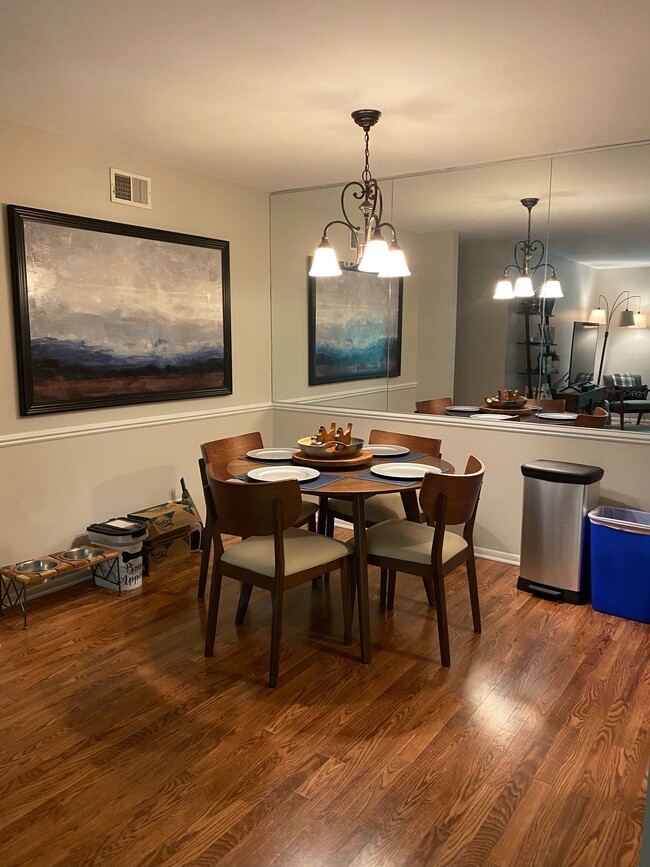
x: 603, y: 316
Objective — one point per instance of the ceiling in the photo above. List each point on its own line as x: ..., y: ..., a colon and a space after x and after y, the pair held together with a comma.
x: 260, y: 91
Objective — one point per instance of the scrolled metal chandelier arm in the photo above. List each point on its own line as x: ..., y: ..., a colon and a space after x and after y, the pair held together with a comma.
x: 372, y: 253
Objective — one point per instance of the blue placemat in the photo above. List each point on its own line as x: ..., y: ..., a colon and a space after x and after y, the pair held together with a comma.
x: 409, y: 456
x: 311, y: 484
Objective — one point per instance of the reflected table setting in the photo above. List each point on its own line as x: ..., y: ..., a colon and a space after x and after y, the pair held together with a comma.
x: 357, y: 485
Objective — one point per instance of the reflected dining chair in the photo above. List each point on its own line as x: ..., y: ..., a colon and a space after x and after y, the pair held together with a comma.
x: 272, y: 554
x: 382, y: 507
x: 435, y: 406
x: 626, y: 393
x: 218, y: 454
x: 599, y: 418
x: 430, y: 550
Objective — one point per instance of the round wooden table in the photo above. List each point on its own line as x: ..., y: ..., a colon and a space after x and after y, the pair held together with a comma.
x: 357, y: 490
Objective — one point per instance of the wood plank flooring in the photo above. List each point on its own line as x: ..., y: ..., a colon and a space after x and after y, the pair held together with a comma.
x: 122, y: 746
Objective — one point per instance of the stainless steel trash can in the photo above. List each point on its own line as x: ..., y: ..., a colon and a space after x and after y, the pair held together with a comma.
x: 555, y: 541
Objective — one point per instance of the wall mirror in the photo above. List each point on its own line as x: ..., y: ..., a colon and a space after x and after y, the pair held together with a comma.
x: 458, y: 229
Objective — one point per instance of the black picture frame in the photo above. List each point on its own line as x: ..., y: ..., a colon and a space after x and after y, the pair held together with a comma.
x: 109, y: 314
x: 355, y: 327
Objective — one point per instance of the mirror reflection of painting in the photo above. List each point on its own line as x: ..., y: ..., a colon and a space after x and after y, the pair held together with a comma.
x: 355, y: 327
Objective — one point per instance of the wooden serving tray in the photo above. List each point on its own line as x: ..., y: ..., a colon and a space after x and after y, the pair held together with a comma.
x: 522, y: 410
x: 361, y: 459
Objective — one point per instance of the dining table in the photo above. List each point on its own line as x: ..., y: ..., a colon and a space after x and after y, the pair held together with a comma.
x: 357, y: 485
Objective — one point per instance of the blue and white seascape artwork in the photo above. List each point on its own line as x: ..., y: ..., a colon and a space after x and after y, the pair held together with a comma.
x: 355, y: 328
x: 114, y: 314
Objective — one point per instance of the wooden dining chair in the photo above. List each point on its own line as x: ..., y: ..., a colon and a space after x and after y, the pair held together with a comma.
x: 558, y: 405
x: 435, y: 406
x: 430, y: 550
x: 218, y: 454
x: 273, y: 554
x: 382, y: 507
x: 598, y: 419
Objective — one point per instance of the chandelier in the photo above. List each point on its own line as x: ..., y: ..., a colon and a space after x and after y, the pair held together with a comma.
x: 528, y: 259
x: 372, y: 252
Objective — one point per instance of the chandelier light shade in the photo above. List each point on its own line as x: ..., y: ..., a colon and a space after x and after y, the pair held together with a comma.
x: 373, y: 253
x: 528, y: 259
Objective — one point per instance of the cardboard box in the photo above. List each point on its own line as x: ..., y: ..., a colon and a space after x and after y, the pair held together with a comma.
x: 166, y: 553
x: 168, y: 519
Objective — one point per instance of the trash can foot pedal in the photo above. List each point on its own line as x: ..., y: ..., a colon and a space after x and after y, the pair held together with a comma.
x: 576, y: 597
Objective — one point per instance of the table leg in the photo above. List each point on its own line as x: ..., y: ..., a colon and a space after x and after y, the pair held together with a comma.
x: 411, y: 505
x: 361, y: 564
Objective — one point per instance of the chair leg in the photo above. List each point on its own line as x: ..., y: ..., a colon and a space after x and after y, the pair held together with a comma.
x: 311, y: 523
x: 638, y: 421
x: 383, y: 584
x: 206, y: 548
x: 276, y: 632
x: 473, y: 593
x: 390, y: 595
x: 242, y: 605
x: 213, y: 610
x: 346, y: 600
x: 441, y: 614
x: 622, y: 415
x: 428, y: 589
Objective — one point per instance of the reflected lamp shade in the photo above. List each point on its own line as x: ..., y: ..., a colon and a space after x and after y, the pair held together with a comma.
x: 552, y: 289
x: 325, y: 263
x: 627, y: 319
x: 599, y: 315
x: 503, y: 290
x: 524, y: 287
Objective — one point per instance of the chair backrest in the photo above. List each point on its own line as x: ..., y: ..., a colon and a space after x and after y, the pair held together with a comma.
x: 219, y: 453
x: 452, y: 499
x: 428, y: 445
x: 558, y: 405
x: 258, y: 509
x: 435, y: 406
x: 598, y: 419
x: 621, y: 380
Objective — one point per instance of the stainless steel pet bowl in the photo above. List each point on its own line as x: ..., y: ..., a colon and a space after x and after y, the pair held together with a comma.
x: 83, y: 553
x: 42, y: 564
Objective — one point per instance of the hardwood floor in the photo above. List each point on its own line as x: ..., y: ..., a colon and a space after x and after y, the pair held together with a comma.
x: 123, y: 746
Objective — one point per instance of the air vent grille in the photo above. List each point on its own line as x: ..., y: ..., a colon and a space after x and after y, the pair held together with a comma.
x: 130, y: 189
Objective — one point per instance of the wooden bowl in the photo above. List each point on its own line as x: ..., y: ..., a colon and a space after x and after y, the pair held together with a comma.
x: 316, y: 450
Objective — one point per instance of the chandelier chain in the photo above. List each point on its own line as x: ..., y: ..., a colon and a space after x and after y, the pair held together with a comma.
x: 366, y: 176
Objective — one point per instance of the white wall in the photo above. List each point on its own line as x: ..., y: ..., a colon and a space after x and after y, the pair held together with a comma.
x: 503, y: 447
x: 62, y: 471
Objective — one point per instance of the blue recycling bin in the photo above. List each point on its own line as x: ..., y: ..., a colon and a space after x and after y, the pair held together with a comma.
x: 620, y: 562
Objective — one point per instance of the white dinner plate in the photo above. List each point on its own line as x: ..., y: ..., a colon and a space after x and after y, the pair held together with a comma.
x: 558, y: 416
x: 462, y: 409
x: 381, y: 451
x: 271, y: 454
x: 279, y: 474
x: 404, y: 471
x: 493, y: 416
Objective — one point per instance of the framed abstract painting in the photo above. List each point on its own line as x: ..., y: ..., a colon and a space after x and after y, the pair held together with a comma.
x: 108, y: 314
x: 355, y: 327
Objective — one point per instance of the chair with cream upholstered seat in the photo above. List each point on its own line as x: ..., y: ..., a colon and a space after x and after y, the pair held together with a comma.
x: 273, y: 553
x: 218, y: 454
x: 382, y: 507
x: 430, y: 550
